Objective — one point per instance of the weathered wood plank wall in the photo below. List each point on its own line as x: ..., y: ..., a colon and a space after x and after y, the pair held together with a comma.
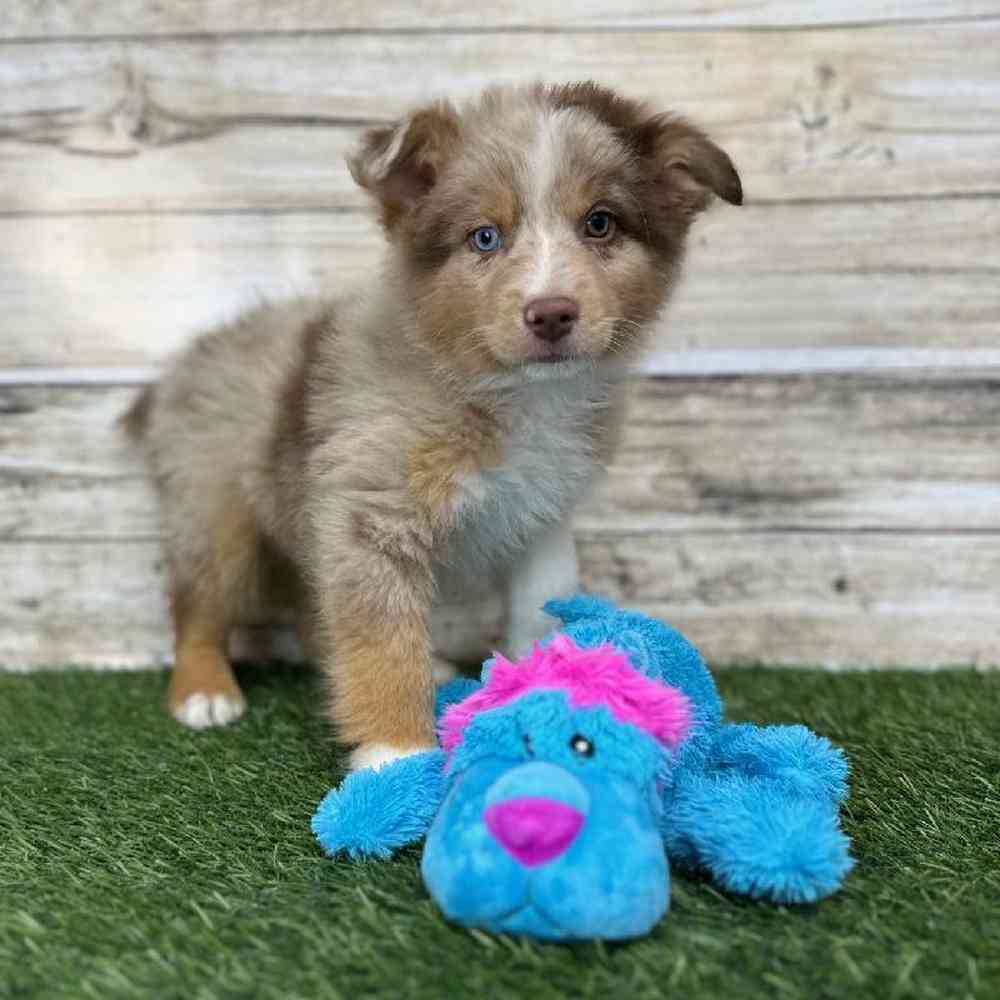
x: 164, y: 165
x: 89, y: 18
x: 910, y: 274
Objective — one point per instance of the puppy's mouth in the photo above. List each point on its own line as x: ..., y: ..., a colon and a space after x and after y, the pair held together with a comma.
x: 552, y: 354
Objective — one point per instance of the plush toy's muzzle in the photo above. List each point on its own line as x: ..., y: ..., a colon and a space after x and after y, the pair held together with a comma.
x: 538, y: 850
x: 535, y: 812
x: 550, y: 825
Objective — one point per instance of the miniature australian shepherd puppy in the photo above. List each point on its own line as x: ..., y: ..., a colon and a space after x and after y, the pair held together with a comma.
x: 373, y: 452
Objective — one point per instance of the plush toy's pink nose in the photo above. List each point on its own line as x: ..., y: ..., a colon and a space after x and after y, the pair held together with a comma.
x: 533, y: 830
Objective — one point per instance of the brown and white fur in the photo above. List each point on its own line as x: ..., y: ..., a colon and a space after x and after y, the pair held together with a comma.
x: 368, y: 454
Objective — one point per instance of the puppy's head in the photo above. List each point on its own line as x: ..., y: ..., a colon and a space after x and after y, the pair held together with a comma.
x: 539, y: 225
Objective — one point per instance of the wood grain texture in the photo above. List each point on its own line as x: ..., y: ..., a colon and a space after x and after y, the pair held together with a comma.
x: 165, y: 165
x: 971, y: 362
x: 107, y: 291
x: 55, y: 18
x: 722, y: 454
x: 838, y: 113
x: 787, y: 454
x: 914, y: 453
x: 838, y: 520
x: 102, y: 604
x: 112, y: 291
x: 842, y: 521
x: 835, y: 600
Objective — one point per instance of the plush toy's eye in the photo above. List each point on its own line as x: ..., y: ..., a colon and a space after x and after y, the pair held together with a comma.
x: 582, y: 746
x: 486, y: 239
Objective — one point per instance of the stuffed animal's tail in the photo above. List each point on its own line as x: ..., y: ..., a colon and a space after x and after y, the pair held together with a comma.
x: 573, y: 609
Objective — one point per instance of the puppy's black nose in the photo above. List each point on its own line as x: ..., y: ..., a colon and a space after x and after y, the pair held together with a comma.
x: 551, y: 319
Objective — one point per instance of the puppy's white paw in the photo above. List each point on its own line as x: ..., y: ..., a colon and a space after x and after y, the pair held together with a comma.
x: 203, y: 711
x: 377, y: 755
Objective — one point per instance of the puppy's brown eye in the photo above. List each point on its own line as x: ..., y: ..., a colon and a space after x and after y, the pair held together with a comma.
x: 600, y: 225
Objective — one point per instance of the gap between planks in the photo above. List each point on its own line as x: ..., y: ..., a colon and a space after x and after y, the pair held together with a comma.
x: 501, y: 28
x: 355, y: 210
x: 660, y: 364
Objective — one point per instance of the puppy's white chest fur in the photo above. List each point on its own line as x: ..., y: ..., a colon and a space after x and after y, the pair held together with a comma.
x: 548, y: 462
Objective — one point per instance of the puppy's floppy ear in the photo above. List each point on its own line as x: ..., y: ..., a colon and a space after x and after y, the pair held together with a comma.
x: 400, y: 163
x: 684, y: 168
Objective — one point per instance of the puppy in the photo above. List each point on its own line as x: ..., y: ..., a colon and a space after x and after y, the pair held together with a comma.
x: 367, y: 454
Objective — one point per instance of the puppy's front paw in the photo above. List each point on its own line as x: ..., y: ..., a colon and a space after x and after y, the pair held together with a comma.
x: 203, y: 711
x: 377, y: 755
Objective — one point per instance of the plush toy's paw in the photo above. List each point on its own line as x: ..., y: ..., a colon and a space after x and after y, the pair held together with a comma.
x: 794, y: 755
x: 758, y: 838
x: 373, y: 813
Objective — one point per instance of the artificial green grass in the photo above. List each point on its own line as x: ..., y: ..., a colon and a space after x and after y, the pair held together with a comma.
x: 138, y: 859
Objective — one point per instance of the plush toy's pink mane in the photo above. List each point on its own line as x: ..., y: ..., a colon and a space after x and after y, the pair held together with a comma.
x: 589, y: 678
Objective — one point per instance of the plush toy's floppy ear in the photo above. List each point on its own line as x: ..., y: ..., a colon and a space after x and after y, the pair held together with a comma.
x: 398, y: 164
x: 374, y: 813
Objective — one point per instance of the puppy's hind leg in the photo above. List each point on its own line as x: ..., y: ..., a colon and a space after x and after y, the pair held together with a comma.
x: 205, y: 599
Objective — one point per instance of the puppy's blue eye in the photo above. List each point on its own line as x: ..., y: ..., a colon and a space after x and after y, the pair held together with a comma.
x: 486, y: 239
x: 581, y: 746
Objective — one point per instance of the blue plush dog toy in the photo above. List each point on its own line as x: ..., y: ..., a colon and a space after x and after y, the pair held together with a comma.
x: 565, y: 781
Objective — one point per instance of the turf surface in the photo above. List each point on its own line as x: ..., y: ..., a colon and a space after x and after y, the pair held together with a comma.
x: 139, y: 860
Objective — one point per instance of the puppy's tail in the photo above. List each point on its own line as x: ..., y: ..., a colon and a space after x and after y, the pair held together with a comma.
x: 135, y: 420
